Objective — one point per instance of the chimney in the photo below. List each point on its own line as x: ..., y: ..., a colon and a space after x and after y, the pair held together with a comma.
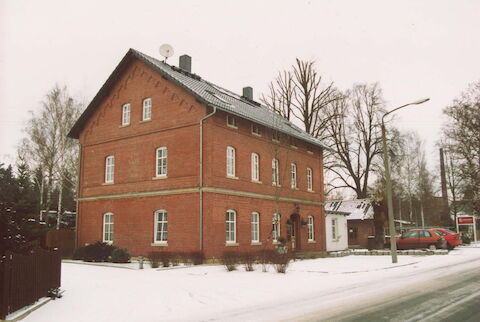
x: 248, y: 93
x: 185, y: 63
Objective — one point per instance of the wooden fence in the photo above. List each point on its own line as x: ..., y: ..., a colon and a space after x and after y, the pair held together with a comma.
x: 26, y: 278
x: 63, y: 239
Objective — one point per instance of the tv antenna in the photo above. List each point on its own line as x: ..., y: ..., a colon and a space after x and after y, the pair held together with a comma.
x: 166, y: 51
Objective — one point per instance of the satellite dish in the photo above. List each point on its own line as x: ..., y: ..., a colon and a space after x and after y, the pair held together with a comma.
x: 166, y: 51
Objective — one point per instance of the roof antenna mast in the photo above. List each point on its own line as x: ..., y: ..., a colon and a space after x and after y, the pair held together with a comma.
x: 166, y: 51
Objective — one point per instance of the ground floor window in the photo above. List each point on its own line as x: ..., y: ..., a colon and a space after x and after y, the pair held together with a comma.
x: 275, y: 227
x: 161, y: 226
x: 311, y: 233
x: 231, y: 222
x: 255, y: 227
x: 108, y: 228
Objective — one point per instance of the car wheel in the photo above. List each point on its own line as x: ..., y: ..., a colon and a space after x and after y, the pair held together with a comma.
x: 450, y: 247
x: 432, y: 247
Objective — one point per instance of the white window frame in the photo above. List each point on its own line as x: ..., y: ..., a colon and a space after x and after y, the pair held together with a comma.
x: 160, y: 227
x: 334, y: 228
x: 255, y: 227
x: 161, y: 161
x: 110, y: 169
x: 126, y: 114
x: 255, y: 164
x: 147, y: 109
x: 230, y: 162
x: 275, y: 172
x: 231, y: 121
x: 293, y: 175
x: 231, y: 226
x: 276, y: 220
x: 311, y: 228
x: 256, y: 130
x: 309, y: 179
x: 107, y: 233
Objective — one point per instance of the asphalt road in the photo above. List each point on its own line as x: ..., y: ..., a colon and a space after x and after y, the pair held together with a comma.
x: 446, y: 297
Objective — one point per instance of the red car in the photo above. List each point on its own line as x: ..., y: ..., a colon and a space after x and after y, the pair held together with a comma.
x: 421, y: 238
x: 453, y: 239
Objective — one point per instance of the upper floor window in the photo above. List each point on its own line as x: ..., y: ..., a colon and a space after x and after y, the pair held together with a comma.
x: 160, y: 227
x: 108, y: 228
x: 162, y: 161
x: 311, y: 231
x: 147, y: 109
x: 230, y: 161
x: 275, y: 136
x: 231, y: 225
x: 256, y: 129
x: 255, y: 221
x: 109, y: 169
x: 126, y: 114
x: 275, y: 227
x: 231, y: 121
x: 293, y: 176
x: 255, y: 167
x: 293, y: 142
x: 309, y: 179
x: 275, y: 174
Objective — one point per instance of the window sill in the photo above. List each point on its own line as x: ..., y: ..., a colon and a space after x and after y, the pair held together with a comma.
x: 160, y: 177
x: 275, y: 141
x: 256, y: 134
x: 108, y: 242
x: 309, y: 152
x: 293, y: 188
x: 232, y: 177
x: 232, y: 126
x: 256, y: 244
x: 165, y: 244
x: 293, y: 146
x: 311, y: 191
x: 145, y: 121
x: 231, y: 244
x: 257, y: 181
x: 124, y: 125
x: 276, y: 185
x: 312, y: 241
x: 107, y: 183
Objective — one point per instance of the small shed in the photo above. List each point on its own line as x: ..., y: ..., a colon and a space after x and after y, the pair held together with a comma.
x: 336, y: 230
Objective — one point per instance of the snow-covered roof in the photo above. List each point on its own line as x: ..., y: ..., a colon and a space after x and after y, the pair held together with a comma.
x: 358, y: 208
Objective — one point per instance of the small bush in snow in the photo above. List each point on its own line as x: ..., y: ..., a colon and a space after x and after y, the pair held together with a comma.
x: 248, y: 259
x: 281, y: 261
x: 120, y: 255
x: 230, y: 260
x: 154, y: 259
x: 196, y: 258
x: 265, y: 258
x: 98, y: 252
x: 79, y: 253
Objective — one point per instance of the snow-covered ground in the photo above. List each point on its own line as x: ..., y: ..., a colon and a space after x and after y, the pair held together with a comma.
x: 209, y: 292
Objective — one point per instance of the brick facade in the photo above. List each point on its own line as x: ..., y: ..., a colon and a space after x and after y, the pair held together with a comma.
x: 137, y: 193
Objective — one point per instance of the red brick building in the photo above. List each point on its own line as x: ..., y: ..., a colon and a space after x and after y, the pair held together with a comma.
x: 170, y: 161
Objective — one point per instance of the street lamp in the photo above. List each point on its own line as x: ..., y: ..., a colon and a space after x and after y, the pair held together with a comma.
x: 391, y: 223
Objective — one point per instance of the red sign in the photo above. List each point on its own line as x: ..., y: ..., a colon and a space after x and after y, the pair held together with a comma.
x: 465, y: 220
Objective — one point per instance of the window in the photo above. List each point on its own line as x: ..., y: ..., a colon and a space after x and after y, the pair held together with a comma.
x: 109, y: 169
x: 126, y: 114
x: 230, y: 161
x: 311, y: 232
x: 309, y: 179
x: 108, y: 228
x: 162, y: 162
x: 160, y: 227
x: 231, y: 121
x: 293, y: 176
x: 255, y: 227
x: 256, y: 129
x: 293, y: 142
x: 147, y: 109
x: 275, y: 227
x: 275, y: 175
x: 231, y: 222
x: 255, y: 167
x: 334, y: 228
x: 275, y: 136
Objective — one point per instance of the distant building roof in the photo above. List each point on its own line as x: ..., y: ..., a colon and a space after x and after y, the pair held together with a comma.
x: 206, y: 92
x: 357, y: 209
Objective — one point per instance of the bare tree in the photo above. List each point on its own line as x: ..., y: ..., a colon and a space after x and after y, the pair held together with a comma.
x: 48, y: 147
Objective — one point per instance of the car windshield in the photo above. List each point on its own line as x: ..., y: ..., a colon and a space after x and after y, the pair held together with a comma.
x: 410, y: 234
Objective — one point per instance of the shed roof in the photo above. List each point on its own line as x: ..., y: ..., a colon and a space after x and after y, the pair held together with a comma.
x: 357, y: 209
x: 208, y: 93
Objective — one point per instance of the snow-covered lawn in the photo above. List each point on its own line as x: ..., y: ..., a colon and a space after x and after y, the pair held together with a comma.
x: 209, y: 292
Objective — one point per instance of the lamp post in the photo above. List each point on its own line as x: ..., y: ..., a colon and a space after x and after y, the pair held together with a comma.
x: 388, y: 188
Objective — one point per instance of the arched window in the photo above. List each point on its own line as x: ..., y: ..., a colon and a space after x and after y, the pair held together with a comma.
x: 161, y: 227
x: 231, y: 226
x: 275, y: 174
x: 293, y: 176
x: 147, y: 109
x: 255, y: 167
x: 108, y: 228
x: 109, y: 169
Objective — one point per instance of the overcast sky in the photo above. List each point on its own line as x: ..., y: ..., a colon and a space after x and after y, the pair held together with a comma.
x: 413, y: 49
